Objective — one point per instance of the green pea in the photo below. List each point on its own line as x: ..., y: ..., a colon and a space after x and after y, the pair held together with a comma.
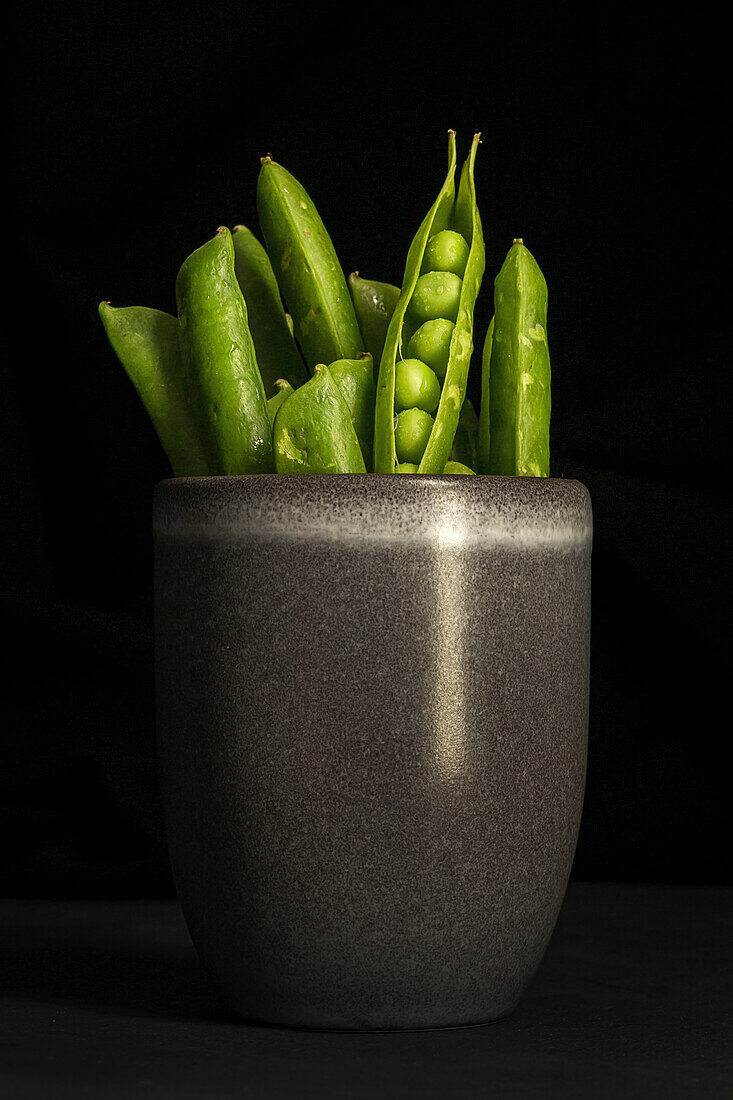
x: 307, y: 268
x: 284, y: 389
x: 406, y: 468
x: 437, y: 294
x: 457, y: 468
x: 277, y: 354
x: 431, y: 344
x: 219, y: 358
x: 416, y: 386
x: 355, y: 379
x: 446, y: 251
x: 146, y: 342
x: 313, y: 432
x: 411, y: 435
x: 519, y: 406
x: 374, y: 304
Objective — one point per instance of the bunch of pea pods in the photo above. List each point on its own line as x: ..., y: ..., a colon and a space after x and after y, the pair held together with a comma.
x: 353, y: 377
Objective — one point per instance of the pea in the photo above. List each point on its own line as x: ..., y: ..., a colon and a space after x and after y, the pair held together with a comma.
x: 457, y: 468
x: 446, y: 251
x: 437, y: 294
x: 412, y: 432
x: 416, y: 386
x: 431, y: 344
x: 406, y: 468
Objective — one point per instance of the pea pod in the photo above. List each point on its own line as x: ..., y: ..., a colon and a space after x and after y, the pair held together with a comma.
x: 307, y: 268
x: 314, y: 433
x: 519, y: 404
x: 374, y: 304
x: 457, y: 468
x: 424, y: 294
x: 484, y: 423
x: 355, y: 379
x: 219, y: 358
x: 275, y: 348
x: 146, y: 343
x: 284, y: 389
x: 464, y: 445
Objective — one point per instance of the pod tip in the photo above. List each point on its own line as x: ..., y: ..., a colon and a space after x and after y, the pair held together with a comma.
x: 266, y: 160
x: 222, y: 229
x: 238, y: 227
x: 518, y: 240
x: 354, y: 275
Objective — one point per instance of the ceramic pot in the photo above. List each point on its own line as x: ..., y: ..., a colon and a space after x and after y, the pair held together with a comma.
x: 372, y: 708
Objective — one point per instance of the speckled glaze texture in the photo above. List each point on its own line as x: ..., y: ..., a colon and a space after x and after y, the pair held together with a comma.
x: 372, y: 708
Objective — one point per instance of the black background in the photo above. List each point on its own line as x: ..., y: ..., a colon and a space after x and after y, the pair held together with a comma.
x: 135, y: 130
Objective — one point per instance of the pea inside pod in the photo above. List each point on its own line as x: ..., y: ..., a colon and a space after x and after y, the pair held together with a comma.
x: 443, y: 299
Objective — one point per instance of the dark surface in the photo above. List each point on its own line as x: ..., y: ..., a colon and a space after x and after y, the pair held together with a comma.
x: 373, y: 708
x: 107, y: 999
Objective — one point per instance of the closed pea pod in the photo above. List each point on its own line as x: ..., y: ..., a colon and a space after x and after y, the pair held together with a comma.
x: 307, y: 268
x: 275, y: 348
x: 314, y: 433
x: 444, y: 301
x: 519, y: 384
x: 146, y: 342
x: 374, y: 304
x: 284, y: 389
x: 355, y: 379
x: 219, y: 358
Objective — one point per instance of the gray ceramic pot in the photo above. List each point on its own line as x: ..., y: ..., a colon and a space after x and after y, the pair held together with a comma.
x: 373, y: 696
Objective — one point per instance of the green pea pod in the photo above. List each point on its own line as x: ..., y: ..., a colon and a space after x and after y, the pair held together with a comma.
x: 484, y: 425
x: 374, y: 304
x: 464, y: 445
x: 461, y: 215
x: 146, y: 343
x: 307, y: 268
x: 313, y: 431
x: 284, y: 389
x: 355, y: 379
x: 277, y: 354
x: 219, y: 356
x: 519, y: 406
x: 457, y: 468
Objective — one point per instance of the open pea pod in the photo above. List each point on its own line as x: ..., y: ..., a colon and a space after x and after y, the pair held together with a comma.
x: 443, y: 272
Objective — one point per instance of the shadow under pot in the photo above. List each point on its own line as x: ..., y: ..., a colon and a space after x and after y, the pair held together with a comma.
x: 372, y: 714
